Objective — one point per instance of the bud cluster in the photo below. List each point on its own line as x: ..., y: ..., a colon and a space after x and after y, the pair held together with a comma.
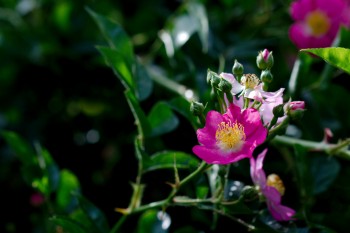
x: 265, y: 61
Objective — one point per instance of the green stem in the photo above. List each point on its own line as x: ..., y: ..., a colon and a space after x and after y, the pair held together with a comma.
x: 117, y: 226
x: 172, y: 85
x: 331, y: 149
x: 246, y: 103
x: 161, y: 203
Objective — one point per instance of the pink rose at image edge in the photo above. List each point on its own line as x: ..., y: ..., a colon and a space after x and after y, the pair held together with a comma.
x: 317, y: 22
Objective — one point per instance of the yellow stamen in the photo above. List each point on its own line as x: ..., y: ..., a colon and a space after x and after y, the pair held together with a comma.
x: 318, y: 23
x: 275, y: 181
x: 250, y: 81
x: 230, y: 136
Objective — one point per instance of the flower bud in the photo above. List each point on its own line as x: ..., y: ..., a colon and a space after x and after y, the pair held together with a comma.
x: 215, y: 79
x: 249, y: 193
x: 278, y: 111
x: 225, y: 85
x: 297, y: 105
x: 295, y: 109
x: 209, y: 76
x: 197, y: 108
x: 266, y: 76
x: 264, y: 60
x: 237, y: 69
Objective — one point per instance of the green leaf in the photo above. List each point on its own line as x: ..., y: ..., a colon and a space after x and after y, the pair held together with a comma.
x: 142, y: 123
x: 21, y: 148
x: 118, y: 62
x: 38, y: 168
x: 144, y: 83
x: 182, y: 106
x: 114, y: 34
x: 198, y: 12
x: 189, y: 19
x: 67, y: 224
x: 336, y: 56
x: 51, y: 170
x: 120, y: 57
x: 68, y: 185
x: 96, y: 216
x: 324, y: 171
x: 166, y: 159
x: 162, y: 119
x: 153, y: 221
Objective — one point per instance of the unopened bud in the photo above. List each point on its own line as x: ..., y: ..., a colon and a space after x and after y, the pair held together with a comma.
x: 297, y: 105
x: 209, y: 76
x: 197, y: 108
x: 275, y: 181
x: 264, y: 60
x: 295, y: 109
x: 278, y: 111
x: 249, y: 193
x: 225, y: 85
x: 266, y: 76
x: 237, y: 69
x: 215, y: 79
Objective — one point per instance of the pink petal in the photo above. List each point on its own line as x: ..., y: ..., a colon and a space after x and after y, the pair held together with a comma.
x: 253, y: 128
x: 206, y: 135
x: 215, y: 156
x: 259, y: 176
x: 233, y: 113
x: 272, y: 194
x: 300, y: 9
x: 299, y: 36
x: 280, y: 212
x: 332, y: 10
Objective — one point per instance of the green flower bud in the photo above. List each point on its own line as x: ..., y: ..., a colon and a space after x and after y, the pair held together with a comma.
x: 264, y: 60
x: 197, y: 108
x: 295, y: 109
x: 278, y: 111
x: 225, y: 85
x: 266, y: 76
x: 237, y: 69
x: 249, y: 193
x: 209, y: 76
x: 215, y: 79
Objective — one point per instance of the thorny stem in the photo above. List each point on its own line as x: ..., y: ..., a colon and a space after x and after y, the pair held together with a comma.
x: 338, y: 149
x: 162, y: 203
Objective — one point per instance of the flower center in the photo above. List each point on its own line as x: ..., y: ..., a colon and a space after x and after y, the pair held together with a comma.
x: 230, y: 136
x: 250, y: 81
x: 275, y: 181
x: 318, y: 23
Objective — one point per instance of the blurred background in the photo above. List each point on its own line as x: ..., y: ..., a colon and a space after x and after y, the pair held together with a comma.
x: 57, y: 91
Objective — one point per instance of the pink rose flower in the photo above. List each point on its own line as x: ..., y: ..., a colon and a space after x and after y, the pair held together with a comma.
x: 265, y: 110
x: 271, y: 193
x: 317, y: 22
x: 252, y: 88
x: 229, y: 137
